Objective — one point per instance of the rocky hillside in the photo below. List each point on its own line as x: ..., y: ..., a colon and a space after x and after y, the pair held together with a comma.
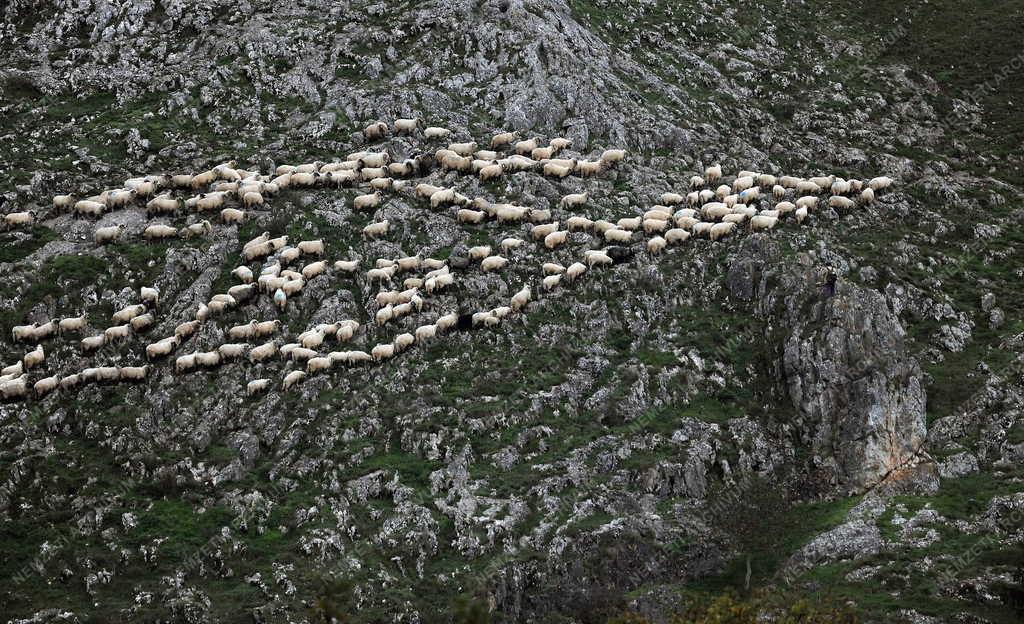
x: 827, y: 410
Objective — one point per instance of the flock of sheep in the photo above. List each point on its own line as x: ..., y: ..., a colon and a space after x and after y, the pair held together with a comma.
x: 706, y: 210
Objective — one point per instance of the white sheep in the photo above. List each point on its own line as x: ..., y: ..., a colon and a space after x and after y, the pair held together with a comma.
x: 630, y: 223
x: 406, y: 126
x: 613, y: 156
x: 72, y: 324
x: 701, y: 228
x: 382, y: 352
x: 257, y: 386
x: 763, y: 222
x: 347, y: 266
x: 293, y: 378
x: 575, y: 270
x: 465, y: 215
x: 868, y: 195
x: 521, y: 298
x: 162, y: 348
x: 14, y: 388
x: 108, y: 234
x: 577, y: 223
x: 376, y: 229
x: 594, y: 257
x: 185, y: 363
x: 720, y: 230
x: 676, y: 235
x: 375, y: 130
x: 463, y: 149
x: 656, y: 245
x: 446, y: 322
x: 195, y: 229
x: 45, y: 386
x: 839, y: 201
x: 508, y: 244
x: 555, y: 239
x: 556, y: 170
x: 655, y: 225
x: 133, y: 373
x: 618, y: 236
x: 364, y: 202
x: 403, y: 342
x: 435, y: 132
x: 493, y: 263
x: 19, y: 219
x: 34, y: 358
x: 713, y: 173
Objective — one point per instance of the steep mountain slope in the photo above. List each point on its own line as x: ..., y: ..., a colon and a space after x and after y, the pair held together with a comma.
x: 628, y: 443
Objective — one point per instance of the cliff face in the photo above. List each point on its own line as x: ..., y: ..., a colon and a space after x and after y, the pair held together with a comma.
x: 630, y: 438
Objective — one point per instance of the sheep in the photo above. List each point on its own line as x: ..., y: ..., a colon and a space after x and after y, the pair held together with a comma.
x: 435, y: 132
x: 867, y: 196
x: 577, y: 223
x: 522, y: 148
x: 117, y: 332
x: 257, y: 386
x: 93, y: 343
x: 521, y: 298
x: 808, y: 201
x: 588, y: 168
x: 364, y: 202
x: 629, y: 223
x: 670, y: 199
x: 185, y: 363
x: 575, y: 270
x: 13, y: 370
x: 556, y: 170
x: 347, y: 266
x: 750, y: 195
x: 463, y: 149
x: 763, y: 222
x: 133, y: 373
x: 161, y: 347
x: 185, y: 330
x: 714, y: 210
x: 506, y: 213
x: 778, y: 191
x: 293, y: 378
x: 128, y: 313
x: 479, y: 252
x: 313, y: 269
x: 742, y: 183
x: 823, y: 182
x: 804, y: 187
x: 34, y: 358
x: 555, y: 239
x: 655, y: 225
x: 375, y: 130
x: 785, y: 207
x: 376, y: 229
x: 262, y: 352
x: 676, y: 235
x: 208, y: 359
x: 484, y: 318
x: 19, y: 219
x: 318, y: 364
x: 89, y: 208
x: 542, y: 153
x: 403, y: 342
x: 839, y: 201
x: 406, y: 126
x: 23, y: 333
x: 552, y: 268
x: 45, y: 330
x: 465, y: 215
x: 195, y: 229
x: 734, y: 217
x: 618, y: 236
x: 613, y: 156
x: 14, y: 388
x: 718, y: 230
x: 656, y: 245
x: 493, y: 263
x: 574, y: 200
x: 70, y: 382
x: 596, y: 257
x: 880, y: 183
x: 713, y: 173
x: 508, y: 244
x: 379, y: 275
x: 840, y: 187
x: 63, y: 202
x: 438, y: 282
x: 109, y: 234
x: 142, y: 322
x: 72, y: 324
x: 701, y: 228
x: 659, y: 213
x: 162, y: 204
x: 551, y: 281
x: 382, y: 352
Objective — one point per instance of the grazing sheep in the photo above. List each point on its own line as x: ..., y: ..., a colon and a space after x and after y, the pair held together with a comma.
x: 595, y: 257
x: 424, y: 333
x: 588, y: 168
x: 108, y: 234
x: 713, y: 173
x: 196, y: 229
x: 133, y: 373
x: 719, y: 230
x: 185, y: 330
x: 613, y: 156
x: 503, y: 139
x: 13, y: 370
x: 785, y: 207
x: 734, y: 217
x: 71, y: 381
x: 489, y: 172
x: 382, y: 352
x: 63, y: 202
x: 763, y: 222
x: 555, y: 239
x: 670, y: 199
x: 34, y: 358
x: 868, y: 195
x: 465, y: 215
x: 463, y: 149
x: 575, y: 270
x: 479, y: 252
x: 262, y: 352
x: 778, y: 191
x: 493, y: 263
x: 508, y: 244
x: 808, y: 201
x: 14, y: 388
x: 557, y: 171
x: 159, y: 231
x: 317, y: 364
x: 292, y: 378
x: 90, y: 208
x: 45, y: 386
x: 128, y: 313
x: 185, y: 363
x: 313, y: 269
x: 656, y: 245
x: 257, y: 386
x: 376, y: 229
x: 676, y: 235
x: 550, y: 282
x: 403, y: 342
x: 655, y: 225
x: 618, y: 236
x: 630, y: 223
x: 521, y: 298
x: 19, y: 219
x: 804, y: 187
x: 839, y: 201
x: 117, y: 332
x: 576, y: 223
x: 552, y: 268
